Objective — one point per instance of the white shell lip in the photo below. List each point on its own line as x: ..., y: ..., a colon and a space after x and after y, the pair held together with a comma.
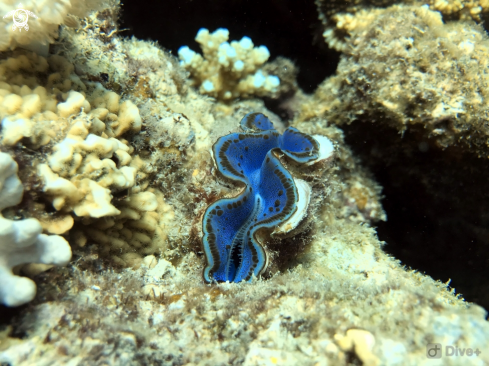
x: 326, y: 149
x: 212, y: 157
x: 304, y: 193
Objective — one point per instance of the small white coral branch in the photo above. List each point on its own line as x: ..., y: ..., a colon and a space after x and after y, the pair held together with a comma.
x: 21, y: 241
x: 228, y: 70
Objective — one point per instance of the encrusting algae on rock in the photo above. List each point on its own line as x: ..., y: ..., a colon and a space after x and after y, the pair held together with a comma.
x: 431, y: 80
x: 342, y: 20
x: 116, y: 120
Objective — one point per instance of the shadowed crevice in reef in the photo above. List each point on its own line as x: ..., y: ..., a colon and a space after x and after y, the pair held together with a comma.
x: 288, y: 28
x: 436, y: 203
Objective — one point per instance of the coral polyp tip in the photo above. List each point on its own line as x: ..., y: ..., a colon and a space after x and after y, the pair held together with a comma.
x: 273, y: 200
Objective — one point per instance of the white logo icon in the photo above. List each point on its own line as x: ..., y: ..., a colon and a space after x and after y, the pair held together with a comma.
x: 20, y: 17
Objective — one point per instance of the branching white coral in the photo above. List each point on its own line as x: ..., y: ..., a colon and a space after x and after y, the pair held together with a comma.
x: 43, y: 29
x: 228, y: 70
x: 21, y: 241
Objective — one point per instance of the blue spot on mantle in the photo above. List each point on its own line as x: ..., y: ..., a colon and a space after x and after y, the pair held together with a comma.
x: 234, y: 228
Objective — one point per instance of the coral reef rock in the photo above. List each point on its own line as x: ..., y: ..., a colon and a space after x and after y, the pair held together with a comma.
x: 431, y: 79
x: 343, y: 19
x: 112, y: 143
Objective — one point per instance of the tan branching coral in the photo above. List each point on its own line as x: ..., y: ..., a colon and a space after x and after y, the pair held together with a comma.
x: 88, y: 169
x: 141, y: 228
x: 85, y: 159
x: 28, y: 106
x: 347, y: 25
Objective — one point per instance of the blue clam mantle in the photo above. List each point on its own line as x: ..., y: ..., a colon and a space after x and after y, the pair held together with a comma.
x: 272, y: 201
